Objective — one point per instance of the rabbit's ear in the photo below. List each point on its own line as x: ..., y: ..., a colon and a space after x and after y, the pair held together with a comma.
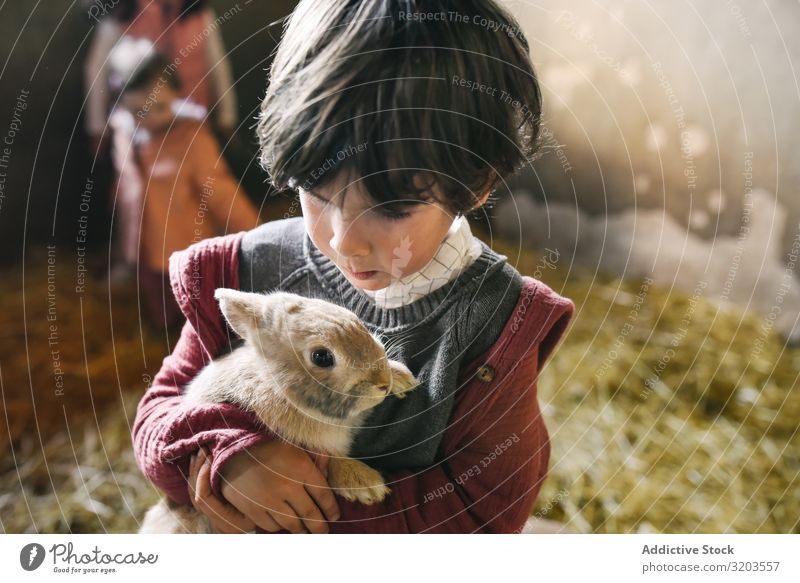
x: 244, y: 311
x: 284, y: 302
x: 277, y: 305
x: 402, y: 379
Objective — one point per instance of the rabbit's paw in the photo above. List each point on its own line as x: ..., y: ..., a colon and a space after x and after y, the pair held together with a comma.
x: 402, y: 379
x: 356, y: 481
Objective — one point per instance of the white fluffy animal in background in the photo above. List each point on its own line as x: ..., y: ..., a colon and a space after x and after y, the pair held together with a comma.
x: 746, y: 270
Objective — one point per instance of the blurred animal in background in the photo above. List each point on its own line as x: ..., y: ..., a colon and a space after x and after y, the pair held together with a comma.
x: 746, y: 269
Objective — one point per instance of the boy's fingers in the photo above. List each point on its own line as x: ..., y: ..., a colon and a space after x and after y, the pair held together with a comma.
x: 287, y: 518
x: 204, y: 476
x: 266, y: 520
x: 309, y: 513
x: 205, y: 507
x: 225, y: 518
x: 321, y: 460
x: 253, y: 510
x: 322, y: 494
x: 269, y: 524
x: 192, y: 478
x: 325, y: 500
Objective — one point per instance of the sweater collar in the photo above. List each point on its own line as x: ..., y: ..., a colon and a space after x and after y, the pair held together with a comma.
x: 389, y: 318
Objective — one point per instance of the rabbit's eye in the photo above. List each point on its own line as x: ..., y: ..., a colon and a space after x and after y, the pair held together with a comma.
x: 322, y: 357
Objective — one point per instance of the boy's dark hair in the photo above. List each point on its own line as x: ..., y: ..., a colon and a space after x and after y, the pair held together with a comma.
x: 454, y: 97
x: 140, y: 68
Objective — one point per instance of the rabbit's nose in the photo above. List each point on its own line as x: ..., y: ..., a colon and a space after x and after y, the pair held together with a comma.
x: 383, y: 388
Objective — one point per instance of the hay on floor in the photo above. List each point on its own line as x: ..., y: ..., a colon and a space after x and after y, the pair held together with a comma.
x: 667, y: 414
x: 69, y: 395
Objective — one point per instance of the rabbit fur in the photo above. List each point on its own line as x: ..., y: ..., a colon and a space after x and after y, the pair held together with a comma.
x: 311, y: 372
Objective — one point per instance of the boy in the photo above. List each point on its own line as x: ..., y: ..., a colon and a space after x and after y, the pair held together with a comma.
x: 366, y: 117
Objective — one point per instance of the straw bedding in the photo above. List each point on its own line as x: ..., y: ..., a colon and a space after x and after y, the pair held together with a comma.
x: 665, y: 414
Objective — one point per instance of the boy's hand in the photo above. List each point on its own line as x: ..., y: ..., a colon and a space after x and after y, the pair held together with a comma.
x: 224, y: 518
x: 274, y: 485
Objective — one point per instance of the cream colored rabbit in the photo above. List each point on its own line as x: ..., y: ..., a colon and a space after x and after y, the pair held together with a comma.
x: 311, y: 371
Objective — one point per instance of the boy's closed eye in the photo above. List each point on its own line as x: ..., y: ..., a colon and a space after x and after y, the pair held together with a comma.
x: 392, y: 212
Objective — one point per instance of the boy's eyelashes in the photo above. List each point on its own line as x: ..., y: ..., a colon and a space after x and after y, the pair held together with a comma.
x: 394, y: 215
x: 384, y: 211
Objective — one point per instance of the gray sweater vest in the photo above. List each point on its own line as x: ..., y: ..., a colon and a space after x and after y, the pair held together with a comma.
x: 433, y: 335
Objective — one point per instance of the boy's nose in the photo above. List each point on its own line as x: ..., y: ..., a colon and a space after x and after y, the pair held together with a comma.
x: 349, y: 240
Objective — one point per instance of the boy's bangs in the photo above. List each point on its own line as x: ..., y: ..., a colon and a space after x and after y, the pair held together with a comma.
x: 400, y: 169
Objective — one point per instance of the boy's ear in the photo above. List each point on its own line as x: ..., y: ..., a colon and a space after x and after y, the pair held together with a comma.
x: 485, y: 190
x: 244, y: 311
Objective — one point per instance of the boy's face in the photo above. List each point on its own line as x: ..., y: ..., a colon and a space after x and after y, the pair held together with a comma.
x: 350, y: 229
x: 152, y: 108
